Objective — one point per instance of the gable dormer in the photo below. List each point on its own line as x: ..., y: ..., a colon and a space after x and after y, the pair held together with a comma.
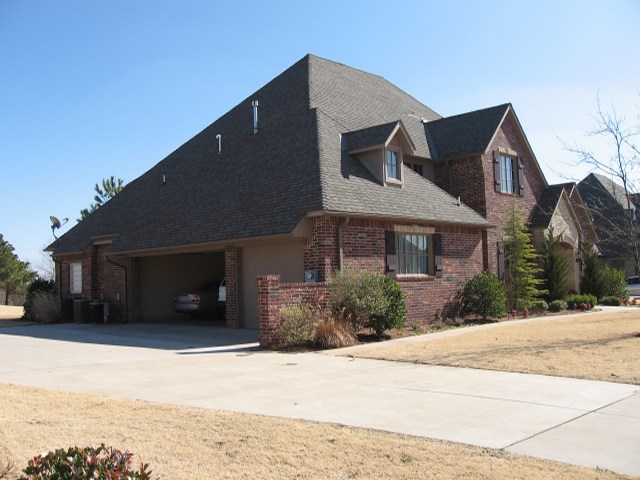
x: 381, y: 149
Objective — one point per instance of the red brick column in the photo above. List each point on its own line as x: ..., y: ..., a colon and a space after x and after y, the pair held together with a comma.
x: 268, y: 308
x: 231, y: 275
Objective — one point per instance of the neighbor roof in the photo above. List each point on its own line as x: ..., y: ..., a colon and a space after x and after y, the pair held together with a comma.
x: 606, y: 202
x: 544, y: 209
x: 264, y: 184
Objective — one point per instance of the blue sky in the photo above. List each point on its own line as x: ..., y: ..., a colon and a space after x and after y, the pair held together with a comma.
x: 98, y: 88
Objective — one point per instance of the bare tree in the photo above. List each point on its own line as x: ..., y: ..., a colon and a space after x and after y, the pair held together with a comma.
x: 611, y: 206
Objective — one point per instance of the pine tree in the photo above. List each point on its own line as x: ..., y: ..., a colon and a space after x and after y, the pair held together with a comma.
x: 592, y: 280
x: 555, y: 268
x: 521, y: 268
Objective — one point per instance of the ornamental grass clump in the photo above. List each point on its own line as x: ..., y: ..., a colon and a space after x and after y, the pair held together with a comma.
x: 334, y: 333
x: 45, y: 308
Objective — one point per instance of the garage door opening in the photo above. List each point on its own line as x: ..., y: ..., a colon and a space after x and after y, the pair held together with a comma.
x: 161, y: 278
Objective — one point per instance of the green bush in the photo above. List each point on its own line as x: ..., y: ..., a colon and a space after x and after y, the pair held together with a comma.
x: 102, y: 463
x: 611, y: 301
x: 540, y: 306
x: 36, y: 286
x: 575, y: 302
x: 557, y: 306
x: 367, y: 300
x: 615, y: 284
x: 591, y: 280
x: 484, y: 295
x: 395, y: 311
x: 297, y: 326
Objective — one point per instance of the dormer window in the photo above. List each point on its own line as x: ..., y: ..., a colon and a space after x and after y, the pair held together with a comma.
x: 393, y: 168
x: 381, y: 149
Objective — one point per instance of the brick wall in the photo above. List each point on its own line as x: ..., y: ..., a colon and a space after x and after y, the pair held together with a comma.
x: 465, y: 178
x: 473, y: 180
x: 104, y: 278
x: 321, y: 250
x: 363, y: 243
x: 63, y: 274
x: 273, y: 295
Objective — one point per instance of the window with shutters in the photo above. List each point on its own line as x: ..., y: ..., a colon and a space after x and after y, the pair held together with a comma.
x: 508, y: 170
x: 414, y: 253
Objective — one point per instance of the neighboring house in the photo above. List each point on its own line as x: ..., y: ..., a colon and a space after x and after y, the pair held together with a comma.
x: 562, y: 209
x: 615, y: 217
x: 325, y: 167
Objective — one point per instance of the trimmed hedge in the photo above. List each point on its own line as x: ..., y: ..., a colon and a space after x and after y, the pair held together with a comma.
x: 576, y: 302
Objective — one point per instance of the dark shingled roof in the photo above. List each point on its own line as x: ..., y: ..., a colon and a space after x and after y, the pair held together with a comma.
x: 464, y: 134
x: 262, y: 185
x: 368, y: 137
x: 543, y: 211
x: 605, y: 200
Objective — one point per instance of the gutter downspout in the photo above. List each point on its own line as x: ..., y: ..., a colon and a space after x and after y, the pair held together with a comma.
x: 344, y: 221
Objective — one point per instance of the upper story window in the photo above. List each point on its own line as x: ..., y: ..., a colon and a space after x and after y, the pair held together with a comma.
x: 393, y: 168
x: 75, y: 278
x: 507, y: 184
x: 508, y: 172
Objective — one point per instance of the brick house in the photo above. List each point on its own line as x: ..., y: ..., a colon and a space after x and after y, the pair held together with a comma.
x: 614, y: 217
x: 325, y: 167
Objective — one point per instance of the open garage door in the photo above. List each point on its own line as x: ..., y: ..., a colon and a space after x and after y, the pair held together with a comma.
x: 283, y: 258
x: 160, y: 278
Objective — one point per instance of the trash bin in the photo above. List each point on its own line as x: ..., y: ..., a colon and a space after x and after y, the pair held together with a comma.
x: 98, y: 312
x: 81, y: 311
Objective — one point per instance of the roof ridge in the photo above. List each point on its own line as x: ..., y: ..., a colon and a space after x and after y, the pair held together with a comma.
x: 508, y: 104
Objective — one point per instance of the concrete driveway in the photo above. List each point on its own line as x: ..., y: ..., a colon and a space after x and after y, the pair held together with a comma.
x: 595, y: 424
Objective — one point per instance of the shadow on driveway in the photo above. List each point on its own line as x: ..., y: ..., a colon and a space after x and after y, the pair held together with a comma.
x: 164, y: 336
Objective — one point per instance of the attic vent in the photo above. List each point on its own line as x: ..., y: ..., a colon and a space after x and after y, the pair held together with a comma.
x: 254, y: 104
x: 219, y: 138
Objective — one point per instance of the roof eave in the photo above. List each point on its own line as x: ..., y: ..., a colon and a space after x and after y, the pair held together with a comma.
x: 338, y: 213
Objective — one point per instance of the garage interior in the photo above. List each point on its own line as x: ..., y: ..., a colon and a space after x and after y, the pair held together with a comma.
x: 158, y: 279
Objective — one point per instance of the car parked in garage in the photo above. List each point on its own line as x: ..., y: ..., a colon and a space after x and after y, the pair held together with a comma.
x: 208, y: 301
x: 633, y: 285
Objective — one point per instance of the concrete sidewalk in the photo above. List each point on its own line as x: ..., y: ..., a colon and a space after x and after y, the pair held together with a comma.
x: 595, y: 424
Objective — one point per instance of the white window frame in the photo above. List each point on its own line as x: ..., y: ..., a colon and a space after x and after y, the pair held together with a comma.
x: 75, y: 278
x: 418, y: 258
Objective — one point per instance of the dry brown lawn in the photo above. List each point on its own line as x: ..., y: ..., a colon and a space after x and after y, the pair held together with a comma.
x: 598, y: 346
x: 192, y: 443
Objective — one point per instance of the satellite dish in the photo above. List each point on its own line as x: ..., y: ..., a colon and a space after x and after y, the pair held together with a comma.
x: 55, y: 223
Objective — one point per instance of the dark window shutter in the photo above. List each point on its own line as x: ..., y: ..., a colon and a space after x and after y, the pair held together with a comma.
x: 437, y: 254
x: 390, y: 247
x: 520, y: 176
x: 501, y: 259
x: 496, y: 170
